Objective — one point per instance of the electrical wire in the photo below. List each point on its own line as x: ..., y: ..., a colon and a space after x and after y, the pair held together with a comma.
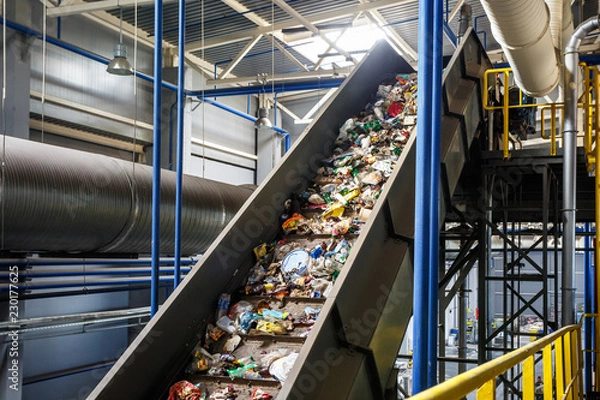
x: 273, y: 134
x: 135, y: 87
x: 203, y: 88
x: 44, y: 61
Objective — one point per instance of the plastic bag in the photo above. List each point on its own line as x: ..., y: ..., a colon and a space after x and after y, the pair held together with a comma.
x: 348, y: 125
x: 246, y: 321
x: 226, y: 324
x: 270, y: 357
x: 226, y: 393
x: 184, y: 390
x: 281, y: 368
x: 270, y: 328
x: 239, y: 308
x: 259, y: 394
x: 232, y: 343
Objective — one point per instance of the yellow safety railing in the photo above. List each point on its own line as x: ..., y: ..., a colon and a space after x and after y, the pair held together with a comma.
x: 562, y: 362
x: 591, y: 109
x: 587, y: 101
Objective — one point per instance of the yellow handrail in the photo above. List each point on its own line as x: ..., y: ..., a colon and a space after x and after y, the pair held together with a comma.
x: 567, y: 370
x: 588, y: 102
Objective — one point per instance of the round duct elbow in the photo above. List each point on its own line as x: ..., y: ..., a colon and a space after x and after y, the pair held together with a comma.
x: 522, y: 28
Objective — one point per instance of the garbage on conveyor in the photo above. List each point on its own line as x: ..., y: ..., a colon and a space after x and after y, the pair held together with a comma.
x: 184, y: 390
x: 318, y: 229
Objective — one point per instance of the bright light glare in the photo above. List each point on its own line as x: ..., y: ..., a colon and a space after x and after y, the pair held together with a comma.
x: 360, y: 38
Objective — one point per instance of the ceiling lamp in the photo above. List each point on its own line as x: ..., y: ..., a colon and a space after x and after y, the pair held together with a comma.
x: 263, y: 119
x: 119, y: 64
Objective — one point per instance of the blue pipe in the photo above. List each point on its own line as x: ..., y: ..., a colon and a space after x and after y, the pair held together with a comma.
x: 422, y: 199
x: 171, y: 135
x: 475, y: 20
x: 277, y: 88
x: 238, y: 113
x: 112, y: 272
x: 329, y: 83
x: 32, y: 262
x: 75, y: 49
x: 588, y: 326
x: 180, y: 117
x: 64, y: 285
x: 449, y: 34
x: 434, y: 188
x: 156, y: 167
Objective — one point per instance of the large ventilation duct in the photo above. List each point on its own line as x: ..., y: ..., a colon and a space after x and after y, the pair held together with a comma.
x: 561, y: 23
x: 523, y: 30
x: 54, y: 199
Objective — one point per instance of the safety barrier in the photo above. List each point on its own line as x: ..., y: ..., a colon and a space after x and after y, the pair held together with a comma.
x: 553, y: 111
x: 562, y: 363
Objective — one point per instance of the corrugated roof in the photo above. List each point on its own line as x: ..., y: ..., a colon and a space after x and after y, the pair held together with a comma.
x: 220, y: 21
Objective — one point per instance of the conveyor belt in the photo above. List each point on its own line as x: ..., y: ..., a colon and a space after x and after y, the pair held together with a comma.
x: 351, y: 348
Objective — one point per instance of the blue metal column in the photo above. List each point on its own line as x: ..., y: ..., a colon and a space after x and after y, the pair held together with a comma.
x: 156, y: 157
x: 180, y: 116
x: 422, y: 199
x: 588, y: 326
x: 434, y: 213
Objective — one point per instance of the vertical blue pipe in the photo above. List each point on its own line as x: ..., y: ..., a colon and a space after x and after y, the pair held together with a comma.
x: 180, y: 116
x: 287, y: 142
x: 171, y: 135
x: 434, y: 227
x: 156, y: 156
x: 588, y: 273
x: 422, y: 199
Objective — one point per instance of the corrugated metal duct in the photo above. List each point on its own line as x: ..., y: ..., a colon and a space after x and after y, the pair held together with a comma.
x: 55, y: 199
x: 523, y: 30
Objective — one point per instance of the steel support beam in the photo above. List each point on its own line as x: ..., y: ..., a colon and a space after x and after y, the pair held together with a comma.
x: 314, y: 19
x: 311, y: 27
x: 286, y: 53
x: 70, y: 9
x: 393, y: 38
x: 282, y: 77
x: 240, y: 56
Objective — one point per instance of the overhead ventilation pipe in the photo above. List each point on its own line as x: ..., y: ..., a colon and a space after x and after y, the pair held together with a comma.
x: 54, y: 199
x: 522, y: 28
x: 561, y: 23
x: 465, y: 20
x: 570, y: 166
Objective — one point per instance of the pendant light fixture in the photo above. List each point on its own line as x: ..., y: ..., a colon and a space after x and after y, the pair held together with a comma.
x: 119, y: 64
x: 263, y: 120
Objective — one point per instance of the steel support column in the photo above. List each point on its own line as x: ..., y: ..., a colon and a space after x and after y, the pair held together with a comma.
x: 180, y: 121
x: 156, y: 170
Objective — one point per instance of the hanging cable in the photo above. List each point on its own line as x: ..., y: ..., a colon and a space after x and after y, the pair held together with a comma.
x: 203, y: 109
x: 273, y: 134
x: 44, y: 57
x: 135, y: 84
